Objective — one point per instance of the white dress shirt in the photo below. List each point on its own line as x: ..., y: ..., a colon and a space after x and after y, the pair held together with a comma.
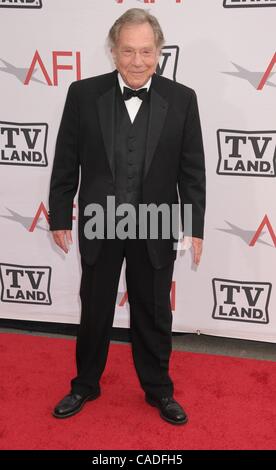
x: 134, y: 103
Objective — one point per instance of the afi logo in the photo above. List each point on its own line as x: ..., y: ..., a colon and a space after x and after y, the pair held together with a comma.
x: 257, y: 79
x: 251, y: 237
x: 43, y: 211
x: 23, y: 144
x: 20, y: 3
x: 30, y: 223
x: 25, y: 284
x: 246, y: 153
x: 241, y: 300
x: 264, y: 223
x: 51, y: 76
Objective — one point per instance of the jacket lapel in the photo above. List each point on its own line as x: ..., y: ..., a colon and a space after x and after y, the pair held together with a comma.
x: 157, y: 116
x: 106, y: 110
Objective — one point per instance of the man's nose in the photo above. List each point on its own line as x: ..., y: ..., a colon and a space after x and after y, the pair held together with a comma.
x: 137, y: 59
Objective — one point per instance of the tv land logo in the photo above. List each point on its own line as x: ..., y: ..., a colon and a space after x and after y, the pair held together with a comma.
x: 248, y: 3
x: 25, y: 284
x: 246, y: 153
x: 168, y: 62
x: 241, y: 301
x: 20, y: 3
x: 23, y: 144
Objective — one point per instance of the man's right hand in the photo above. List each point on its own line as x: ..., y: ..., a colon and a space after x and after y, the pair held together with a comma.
x: 63, y: 238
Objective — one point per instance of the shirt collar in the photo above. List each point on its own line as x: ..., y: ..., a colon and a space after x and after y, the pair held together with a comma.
x: 122, y: 83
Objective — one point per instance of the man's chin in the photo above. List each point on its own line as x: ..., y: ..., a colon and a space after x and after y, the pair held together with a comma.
x: 137, y: 82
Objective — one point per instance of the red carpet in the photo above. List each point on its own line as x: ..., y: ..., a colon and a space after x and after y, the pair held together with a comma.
x: 231, y: 402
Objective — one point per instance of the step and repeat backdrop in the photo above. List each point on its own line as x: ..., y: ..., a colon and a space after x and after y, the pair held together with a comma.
x: 226, y: 51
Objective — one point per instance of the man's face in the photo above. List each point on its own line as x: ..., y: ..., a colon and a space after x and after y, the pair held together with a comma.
x: 135, y: 54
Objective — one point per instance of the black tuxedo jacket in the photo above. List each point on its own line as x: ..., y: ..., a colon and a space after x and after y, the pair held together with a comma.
x: 174, y: 157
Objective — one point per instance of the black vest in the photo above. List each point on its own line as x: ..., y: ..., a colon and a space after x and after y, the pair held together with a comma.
x: 130, y: 147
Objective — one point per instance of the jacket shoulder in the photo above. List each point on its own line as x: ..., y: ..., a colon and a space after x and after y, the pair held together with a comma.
x: 174, y: 87
x: 96, y: 83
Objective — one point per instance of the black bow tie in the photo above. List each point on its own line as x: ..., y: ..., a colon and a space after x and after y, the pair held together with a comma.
x: 129, y: 93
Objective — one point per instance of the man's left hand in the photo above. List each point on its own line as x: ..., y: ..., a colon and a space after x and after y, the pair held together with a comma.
x: 197, y: 244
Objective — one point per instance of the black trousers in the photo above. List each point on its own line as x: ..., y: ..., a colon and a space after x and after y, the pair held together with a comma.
x: 150, y: 316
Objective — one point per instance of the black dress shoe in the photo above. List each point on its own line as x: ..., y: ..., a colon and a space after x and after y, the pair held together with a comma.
x: 169, y: 409
x: 72, y: 404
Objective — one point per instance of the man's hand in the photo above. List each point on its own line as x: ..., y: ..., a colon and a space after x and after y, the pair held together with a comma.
x: 196, y: 244
x: 63, y: 238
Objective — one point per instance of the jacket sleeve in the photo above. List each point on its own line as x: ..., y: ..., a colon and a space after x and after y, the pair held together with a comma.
x: 191, y: 177
x: 65, y: 172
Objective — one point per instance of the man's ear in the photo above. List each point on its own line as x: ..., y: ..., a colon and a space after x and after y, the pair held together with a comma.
x: 113, y: 53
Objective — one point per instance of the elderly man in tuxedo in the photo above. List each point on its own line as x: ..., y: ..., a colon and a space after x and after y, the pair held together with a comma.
x: 135, y: 136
